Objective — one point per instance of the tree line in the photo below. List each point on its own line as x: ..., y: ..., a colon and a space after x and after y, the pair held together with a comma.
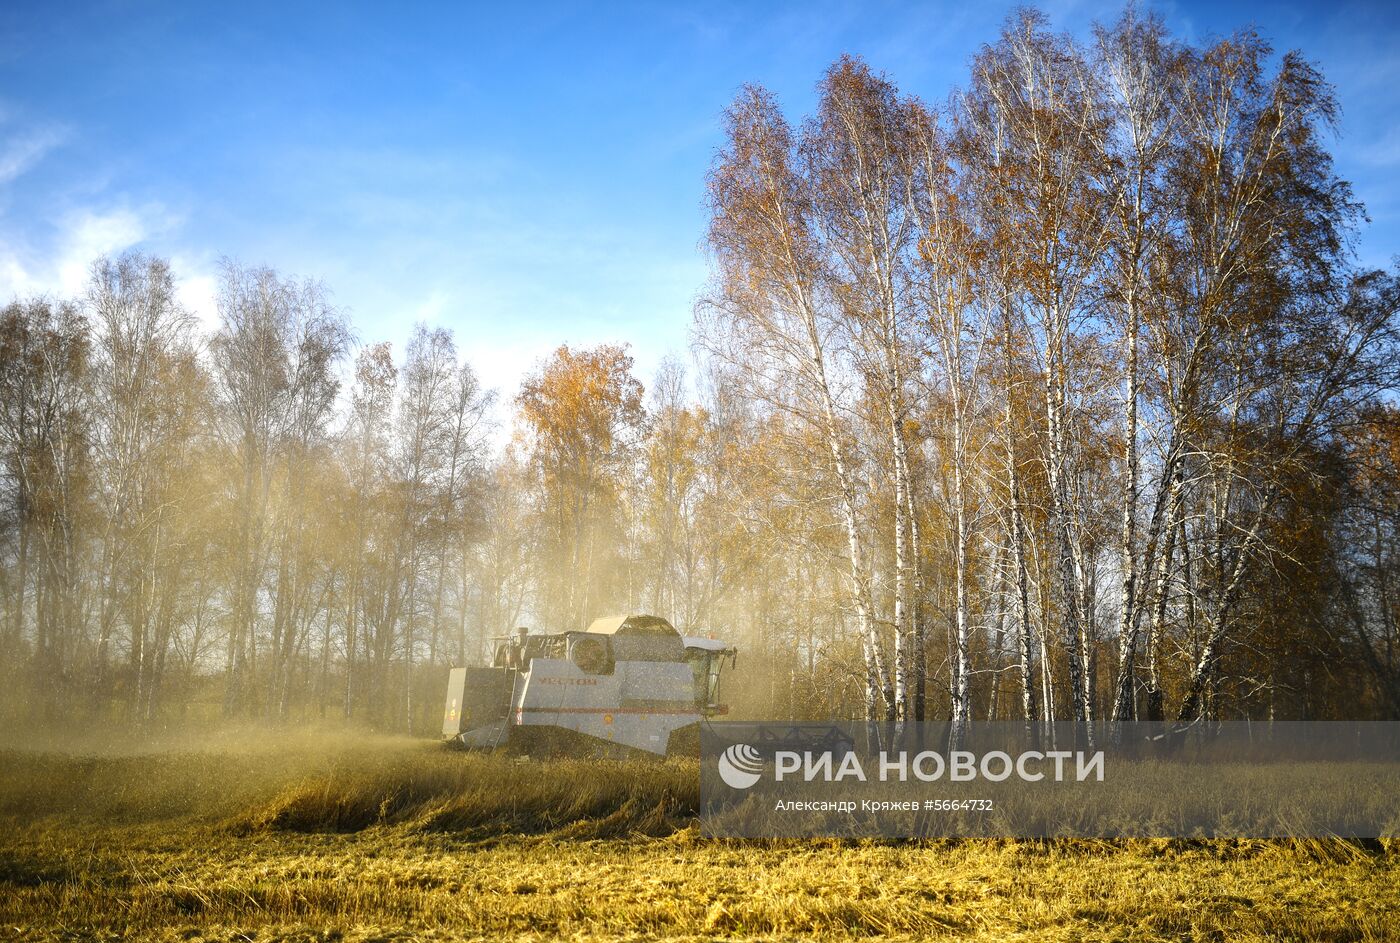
x: 1096, y: 392
x: 1064, y: 400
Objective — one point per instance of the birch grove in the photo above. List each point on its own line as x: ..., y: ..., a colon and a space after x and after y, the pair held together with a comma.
x: 1117, y: 296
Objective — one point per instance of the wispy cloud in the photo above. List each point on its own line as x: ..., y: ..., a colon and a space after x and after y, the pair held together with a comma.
x: 61, y: 264
x: 54, y: 256
x: 22, y: 151
x: 1381, y: 151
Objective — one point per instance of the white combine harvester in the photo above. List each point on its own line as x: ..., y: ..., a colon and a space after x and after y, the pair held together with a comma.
x: 628, y: 684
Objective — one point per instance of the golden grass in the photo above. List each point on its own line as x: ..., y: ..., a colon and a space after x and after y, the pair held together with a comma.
x: 352, y: 838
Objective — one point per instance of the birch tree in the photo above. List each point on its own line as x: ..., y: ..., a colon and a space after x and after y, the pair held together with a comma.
x: 770, y: 306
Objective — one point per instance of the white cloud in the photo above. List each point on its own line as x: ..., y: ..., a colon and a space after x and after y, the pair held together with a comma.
x: 81, y: 237
x: 196, y: 288
x: 61, y: 268
x: 54, y: 256
x: 19, y: 153
x: 90, y: 235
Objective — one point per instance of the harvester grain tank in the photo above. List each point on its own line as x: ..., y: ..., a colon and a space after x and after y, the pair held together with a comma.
x: 627, y: 683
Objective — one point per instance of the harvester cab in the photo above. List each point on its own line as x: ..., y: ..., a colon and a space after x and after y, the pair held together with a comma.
x: 626, y: 684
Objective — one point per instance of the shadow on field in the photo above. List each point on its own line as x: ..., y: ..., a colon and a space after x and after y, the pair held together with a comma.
x: 489, y: 795
x: 347, y: 782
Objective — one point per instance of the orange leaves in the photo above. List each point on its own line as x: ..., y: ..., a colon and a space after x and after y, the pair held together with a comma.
x: 582, y: 404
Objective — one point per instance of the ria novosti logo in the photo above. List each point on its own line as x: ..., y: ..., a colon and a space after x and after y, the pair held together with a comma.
x: 740, y: 766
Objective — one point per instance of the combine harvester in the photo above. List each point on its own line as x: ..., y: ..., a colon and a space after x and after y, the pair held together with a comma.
x: 629, y: 685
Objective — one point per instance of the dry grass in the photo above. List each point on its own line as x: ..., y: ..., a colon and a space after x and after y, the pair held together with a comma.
x: 388, y: 839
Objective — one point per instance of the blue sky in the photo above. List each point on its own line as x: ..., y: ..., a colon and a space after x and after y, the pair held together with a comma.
x: 525, y: 176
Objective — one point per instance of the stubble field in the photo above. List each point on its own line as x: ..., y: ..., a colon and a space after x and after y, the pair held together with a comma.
x: 343, y: 836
